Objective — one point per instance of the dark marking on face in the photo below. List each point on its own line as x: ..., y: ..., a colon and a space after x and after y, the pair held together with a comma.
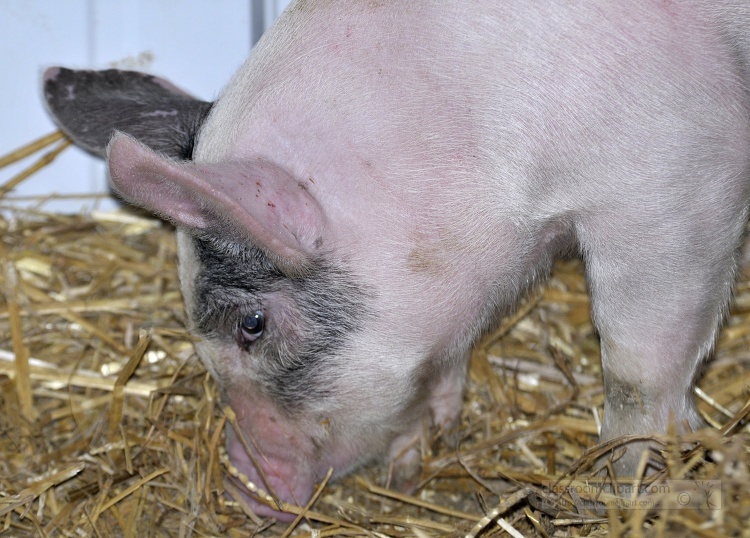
x: 295, y: 359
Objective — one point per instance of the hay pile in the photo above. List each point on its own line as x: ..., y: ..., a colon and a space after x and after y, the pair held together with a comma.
x: 109, y: 425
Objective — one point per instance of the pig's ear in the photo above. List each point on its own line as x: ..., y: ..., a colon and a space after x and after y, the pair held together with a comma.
x: 256, y: 203
x: 89, y: 106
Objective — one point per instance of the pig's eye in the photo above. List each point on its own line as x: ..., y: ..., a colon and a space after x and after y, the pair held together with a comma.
x: 251, y: 327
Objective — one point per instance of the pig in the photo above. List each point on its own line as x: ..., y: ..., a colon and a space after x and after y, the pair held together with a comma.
x: 382, y: 180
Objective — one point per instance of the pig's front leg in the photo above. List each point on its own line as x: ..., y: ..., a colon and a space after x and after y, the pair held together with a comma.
x: 444, y: 401
x: 660, y: 280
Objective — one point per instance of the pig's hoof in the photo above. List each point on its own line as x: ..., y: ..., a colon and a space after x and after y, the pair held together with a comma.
x: 405, y: 471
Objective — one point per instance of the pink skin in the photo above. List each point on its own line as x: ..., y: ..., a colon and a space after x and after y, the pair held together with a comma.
x: 294, y: 456
x: 452, y: 157
x: 443, y: 153
x: 290, y: 484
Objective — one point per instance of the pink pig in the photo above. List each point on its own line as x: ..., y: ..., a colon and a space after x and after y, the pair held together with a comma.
x: 381, y: 180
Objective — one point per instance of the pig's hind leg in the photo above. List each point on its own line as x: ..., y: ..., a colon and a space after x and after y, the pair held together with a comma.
x: 660, y: 280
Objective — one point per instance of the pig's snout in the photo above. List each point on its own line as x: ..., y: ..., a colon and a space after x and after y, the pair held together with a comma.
x: 289, y: 483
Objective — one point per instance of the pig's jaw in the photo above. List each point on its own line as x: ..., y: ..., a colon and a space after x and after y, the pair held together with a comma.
x: 289, y: 484
x: 292, y: 462
x: 295, y: 453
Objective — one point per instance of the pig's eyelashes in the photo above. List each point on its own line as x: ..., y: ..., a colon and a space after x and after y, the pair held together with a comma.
x: 251, y: 328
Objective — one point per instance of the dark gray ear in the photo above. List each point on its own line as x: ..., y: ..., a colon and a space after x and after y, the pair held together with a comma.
x: 89, y: 106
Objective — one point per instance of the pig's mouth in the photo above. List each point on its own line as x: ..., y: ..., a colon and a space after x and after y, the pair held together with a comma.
x: 270, y: 484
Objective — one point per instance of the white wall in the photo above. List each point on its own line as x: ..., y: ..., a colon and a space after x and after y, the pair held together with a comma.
x: 197, y: 44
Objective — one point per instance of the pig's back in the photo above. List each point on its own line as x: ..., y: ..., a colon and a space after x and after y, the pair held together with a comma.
x: 554, y: 104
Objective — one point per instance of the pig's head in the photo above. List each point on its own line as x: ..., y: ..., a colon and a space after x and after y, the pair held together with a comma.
x: 319, y: 375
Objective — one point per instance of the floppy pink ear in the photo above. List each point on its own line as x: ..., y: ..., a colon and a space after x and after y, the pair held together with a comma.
x: 256, y: 202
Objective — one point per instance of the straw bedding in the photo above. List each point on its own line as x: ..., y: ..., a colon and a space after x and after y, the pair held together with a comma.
x: 110, y: 426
